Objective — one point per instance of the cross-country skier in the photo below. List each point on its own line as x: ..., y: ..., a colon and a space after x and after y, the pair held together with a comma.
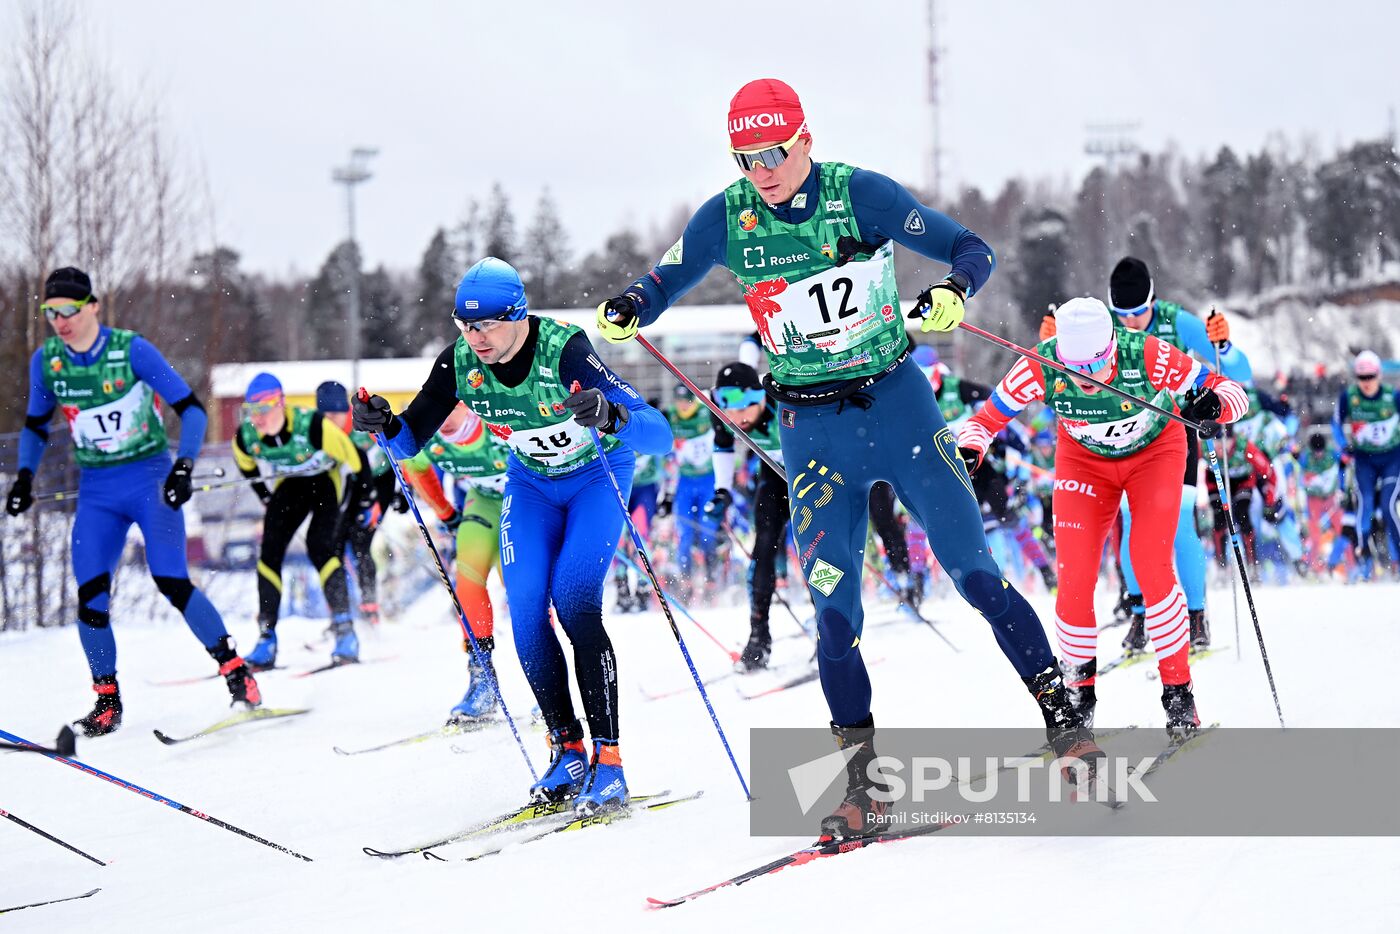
x: 812, y: 245
x: 303, y: 452
x: 1132, y: 296
x: 695, y: 485
x: 1108, y: 448
x: 333, y: 400
x: 468, y: 454
x: 106, y: 380
x: 1322, y: 473
x: 1366, y: 425
x: 560, y: 520
x: 641, y: 506
x: 738, y: 392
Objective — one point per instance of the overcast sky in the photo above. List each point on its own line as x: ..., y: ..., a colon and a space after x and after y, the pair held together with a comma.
x: 619, y: 107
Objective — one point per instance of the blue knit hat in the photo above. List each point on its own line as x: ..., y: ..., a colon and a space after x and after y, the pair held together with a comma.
x: 332, y: 397
x: 263, y: 387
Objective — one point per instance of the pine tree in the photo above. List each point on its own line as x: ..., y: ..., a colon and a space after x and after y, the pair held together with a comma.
x: 546, y: 256
x: 498, y: 235
x: 438, y: 273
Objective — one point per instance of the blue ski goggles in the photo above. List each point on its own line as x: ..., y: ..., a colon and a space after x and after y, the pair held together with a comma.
x: 737, y: 397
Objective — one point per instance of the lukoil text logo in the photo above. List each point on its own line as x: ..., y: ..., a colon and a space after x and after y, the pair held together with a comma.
x: 1075, y: 486
x: 756, y: 121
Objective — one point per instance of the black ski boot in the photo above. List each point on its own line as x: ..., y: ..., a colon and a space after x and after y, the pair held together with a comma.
x: 106, y: 714
x: 1136, y: 639
x: 858, y: 815
x: 1052, y: 583
x: 1200, y: 630
x: 760, y: 647
x: 1066, y: 731
x: 1180, y: 705
x: 1079, y: 686
x: 624, y: 602
x: 242, y: 687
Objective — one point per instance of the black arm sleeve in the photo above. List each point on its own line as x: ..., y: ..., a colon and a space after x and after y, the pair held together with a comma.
x: 436, y: 400
x: 971, y: 392
x: 187, y: 402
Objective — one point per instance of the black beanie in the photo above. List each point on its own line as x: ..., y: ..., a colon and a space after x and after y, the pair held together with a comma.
x: 68, y: 282
x: 738, y: 374
x: 1317, y: 441
x: 332, y: 397
x: 1130, y: 286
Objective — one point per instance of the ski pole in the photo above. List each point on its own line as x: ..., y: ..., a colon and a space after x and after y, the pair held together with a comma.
x: 734, y: 537
x: 489, y: 670
x: 665, y: 607
x: 704, y: 398
x: 48, y: 836
x: 889, y: 584
x: 733, y: 655
x: 1244, y: 575
x: 1075, y: 374
x: 1226, y: 492
x: 61, y: 495
x: 146, y: 793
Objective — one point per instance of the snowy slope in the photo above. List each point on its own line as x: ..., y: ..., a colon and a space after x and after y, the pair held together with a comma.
x: 1332, y: 647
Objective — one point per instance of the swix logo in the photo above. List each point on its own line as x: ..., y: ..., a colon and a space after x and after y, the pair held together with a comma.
x: 756, y: 121
x: 1075, y: 486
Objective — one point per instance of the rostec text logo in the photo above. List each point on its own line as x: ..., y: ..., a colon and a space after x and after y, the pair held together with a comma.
x: 757, y: 251
x: 756, y: 121
x: 1075, y: 486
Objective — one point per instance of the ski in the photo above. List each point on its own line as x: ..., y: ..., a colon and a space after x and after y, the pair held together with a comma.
x: 246, y: 716
x: 806, y: 677
x: 450, y: 729
x: 578, y: 823
x: 538, y: 810
x: 1043, y: 751
x: 1173, y: 747
x: 822, y: 849
x: 334, y: 665
x: 181, y: 682
x: 48, y: 836
x: 52, y: 901
x: 1126, y: 660
x: 673, y: 692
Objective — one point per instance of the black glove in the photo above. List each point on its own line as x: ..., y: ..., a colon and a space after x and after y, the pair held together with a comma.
x: 591, y: 409
x: 452, y: 521
x: 263, y: 493
x: 21, y: 493
x: 972, y: 459
x: 617, y: 319
x: 374, y: 415
x: 1201, y: 404
x: 719, y: 505
x: 178, y: 488
x: 400, y: 502
x: 1273, y: 512
x: 663, y: 507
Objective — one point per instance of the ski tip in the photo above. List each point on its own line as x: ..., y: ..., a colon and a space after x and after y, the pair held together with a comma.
x: 164, y: 739
x: 340, y: 752
x: 654, y: 904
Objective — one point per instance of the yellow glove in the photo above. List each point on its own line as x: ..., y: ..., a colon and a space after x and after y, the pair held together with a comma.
x: 940, y: 306
x: 617, y: 319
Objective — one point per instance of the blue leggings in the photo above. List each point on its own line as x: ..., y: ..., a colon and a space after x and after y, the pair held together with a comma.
x: 834, y: 453
x: 558, y: 535
x: 692, y: 493
x: 1383, y: 471
x: 1190, y: 553
x: 110, y: 499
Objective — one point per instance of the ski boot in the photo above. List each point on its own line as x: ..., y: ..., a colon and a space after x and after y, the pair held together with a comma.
x: 1052, y: 583
x: 852, y: 817
x: 264, y: 654
x: 758, y: 650
x: 1136, y: 639
x: 1079, y: 687
x: 1068, y: 735
x: 1200, y: 630
x: 1180, y: 705
x: 606, y: 788
x: 904, y: 590
x: 106, y: 714
x: 369, y: 612
x: 479, y: 703
x: 568, y: 766
x: 242, y: 688
x: 347, y: 644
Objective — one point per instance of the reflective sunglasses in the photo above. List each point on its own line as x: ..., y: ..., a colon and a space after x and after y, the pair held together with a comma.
x: 737, y: 397
x: 261, y: 407
x: 485, y: 324
x: 1098, y: 364
x: 769, y: 158
x: 54, y: 312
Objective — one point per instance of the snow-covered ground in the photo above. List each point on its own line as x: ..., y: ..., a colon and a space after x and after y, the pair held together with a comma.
x: 1332, y: 647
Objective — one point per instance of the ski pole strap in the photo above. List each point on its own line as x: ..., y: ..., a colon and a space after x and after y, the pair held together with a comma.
x: 1075, y: 374
x: 801, y: 396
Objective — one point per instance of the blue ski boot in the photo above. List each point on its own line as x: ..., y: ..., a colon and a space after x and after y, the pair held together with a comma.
x: 606, y: 789
x: 479, y: 703
x: 347, y: 644
x: 568, y: 766
x: 264, y: 654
